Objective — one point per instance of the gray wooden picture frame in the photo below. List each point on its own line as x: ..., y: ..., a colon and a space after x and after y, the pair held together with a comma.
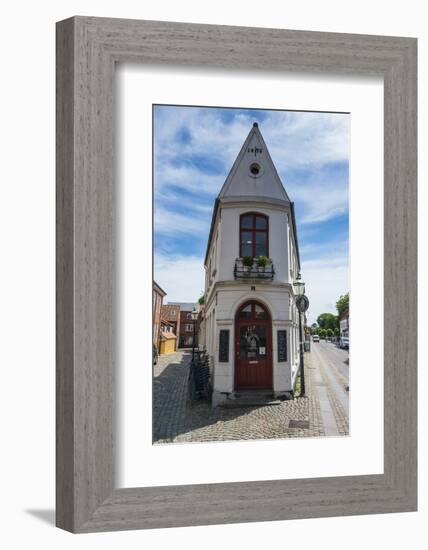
x: 87, y: 50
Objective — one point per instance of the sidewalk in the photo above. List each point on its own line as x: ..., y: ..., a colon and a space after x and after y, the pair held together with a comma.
x: 175, y: 421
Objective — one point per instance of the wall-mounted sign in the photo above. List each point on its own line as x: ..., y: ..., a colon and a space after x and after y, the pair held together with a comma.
x: 302, y: 303
x: 282, y: 345
x: 223, y: 349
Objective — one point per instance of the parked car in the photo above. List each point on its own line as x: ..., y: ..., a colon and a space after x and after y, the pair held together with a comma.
x: 315, y: 338
x: 155, y: 355
x: 344, y: 342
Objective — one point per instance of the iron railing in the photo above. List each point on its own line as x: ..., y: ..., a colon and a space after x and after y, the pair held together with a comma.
x: 253, y: 272
x: 199, y: 378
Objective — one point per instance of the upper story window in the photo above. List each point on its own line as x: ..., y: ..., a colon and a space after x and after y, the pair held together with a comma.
x: 254, y: 235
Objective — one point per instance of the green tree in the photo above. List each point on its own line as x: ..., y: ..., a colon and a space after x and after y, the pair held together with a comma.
x: 342, y: 304
x: 322, y: 333
x: 328, y: 320
x: 201, y: 300
x: 329, y: 333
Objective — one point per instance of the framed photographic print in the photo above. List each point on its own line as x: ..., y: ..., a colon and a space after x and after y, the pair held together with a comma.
x: 236, y: 274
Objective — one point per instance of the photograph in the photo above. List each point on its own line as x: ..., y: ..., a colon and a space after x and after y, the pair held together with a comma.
x: 210, y: 267
x: 251, y: 316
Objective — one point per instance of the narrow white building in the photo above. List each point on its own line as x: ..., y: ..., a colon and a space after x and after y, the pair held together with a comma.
x: 252, y: 260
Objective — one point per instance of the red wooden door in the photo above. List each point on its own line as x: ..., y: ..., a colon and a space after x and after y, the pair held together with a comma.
x: 253, y: 347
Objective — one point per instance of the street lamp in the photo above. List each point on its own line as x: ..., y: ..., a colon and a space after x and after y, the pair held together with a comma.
x: 299, y: 286
x: 194, y: 319
x: 302, y: 304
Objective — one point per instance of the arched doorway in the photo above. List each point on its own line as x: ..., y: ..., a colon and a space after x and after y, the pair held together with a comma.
x: 253, y: 347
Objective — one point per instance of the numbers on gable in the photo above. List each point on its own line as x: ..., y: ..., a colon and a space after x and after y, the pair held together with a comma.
x: 255, y: 150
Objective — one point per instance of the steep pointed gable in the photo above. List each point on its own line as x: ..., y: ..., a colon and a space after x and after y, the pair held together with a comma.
x: 242, y: 184
x: 253, y: 173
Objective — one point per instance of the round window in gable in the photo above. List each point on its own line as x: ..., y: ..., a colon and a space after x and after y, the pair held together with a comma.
x: 255, y: 169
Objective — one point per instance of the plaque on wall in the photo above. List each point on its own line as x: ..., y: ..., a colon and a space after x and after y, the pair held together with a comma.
x: 282, y: 345
x: 223, y: 355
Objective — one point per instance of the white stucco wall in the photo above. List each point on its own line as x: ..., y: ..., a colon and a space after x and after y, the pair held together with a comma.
x: 221, y: 315
x: 228, y: 249
x: 224, y: 295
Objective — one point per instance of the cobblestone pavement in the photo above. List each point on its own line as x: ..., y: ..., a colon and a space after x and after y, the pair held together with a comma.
x: 176, y: 421
x: 170, y: 405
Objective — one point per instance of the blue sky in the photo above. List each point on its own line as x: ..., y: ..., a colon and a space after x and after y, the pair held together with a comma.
x: 194, y: 149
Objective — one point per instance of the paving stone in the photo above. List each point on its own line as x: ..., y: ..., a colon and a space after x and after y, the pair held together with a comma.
x: 176, y: 421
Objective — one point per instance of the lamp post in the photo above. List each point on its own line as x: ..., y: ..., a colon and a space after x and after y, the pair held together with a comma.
x: 194, y: 319
x: 302, y: 304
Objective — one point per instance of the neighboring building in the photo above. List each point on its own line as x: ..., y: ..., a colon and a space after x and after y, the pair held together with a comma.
x: 157, y: 298
x: 201, y: 326
x: 251, y: 263
x: 171, y: 314
x: 167, y: 338
x: 186, y: 324
x: 344, y: 324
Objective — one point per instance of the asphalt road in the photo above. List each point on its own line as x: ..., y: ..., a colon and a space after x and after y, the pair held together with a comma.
x: 335, y: 356
x: 331, y: 364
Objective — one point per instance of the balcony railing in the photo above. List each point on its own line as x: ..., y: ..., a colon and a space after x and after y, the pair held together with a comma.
x: 254, y: 271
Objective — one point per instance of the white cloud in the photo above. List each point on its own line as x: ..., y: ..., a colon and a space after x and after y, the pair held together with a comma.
x: 324, y: 251
x: 186, y: 178
x: 182, y: 277
x: 296, y: 140
x: 321, y: 200
x: 168, y: 222
x: 209, y: 134
x: 326, y: 280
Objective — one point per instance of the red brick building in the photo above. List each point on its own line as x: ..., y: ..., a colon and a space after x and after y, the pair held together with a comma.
x: 171, y: 314
x: 185, y: 339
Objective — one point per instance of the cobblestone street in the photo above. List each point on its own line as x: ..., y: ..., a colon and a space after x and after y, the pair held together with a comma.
x: 176, y: 421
